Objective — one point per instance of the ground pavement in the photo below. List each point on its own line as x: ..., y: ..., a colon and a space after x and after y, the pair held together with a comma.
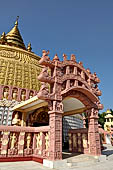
x: 83, y: 164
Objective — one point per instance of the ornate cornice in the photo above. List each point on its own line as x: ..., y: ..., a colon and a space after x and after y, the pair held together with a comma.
x: 18, y: 54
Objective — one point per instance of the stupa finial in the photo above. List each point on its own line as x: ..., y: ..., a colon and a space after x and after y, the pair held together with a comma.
x: 16, y: 23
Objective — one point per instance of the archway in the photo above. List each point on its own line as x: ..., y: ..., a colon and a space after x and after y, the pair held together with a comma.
x: 72, y: 119
x: 68, y: 78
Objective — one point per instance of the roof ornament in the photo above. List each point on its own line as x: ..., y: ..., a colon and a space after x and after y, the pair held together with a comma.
x: 3, y: 38
x: 29, y: 48
x: 16, y: 23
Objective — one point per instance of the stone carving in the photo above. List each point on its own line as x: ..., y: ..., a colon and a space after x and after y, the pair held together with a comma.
x: 73, y: 57
x: 23, y: 95
x: 64, y: 57
x: 56, y: 58
x: 96, y: 90
x: 47, y: 141
x: 31, y: 94
x: 6, y: 93
x: 5, y: 142
x: 96, y: 79
x: 84, y: 140
x: 57, y: 106
x: 28, y: 140
x: 14, y: 95
x: 44, y: 91
x: 94, y: 112
x: 44, y: 72
x: 13, y: 141
x: 81, y: 64
x: 16, y: 120
x: 45, y: 53
x: 38, y: 140
x: 50, y: 105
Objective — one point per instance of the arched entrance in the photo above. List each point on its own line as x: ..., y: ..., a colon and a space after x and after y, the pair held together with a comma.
x: 68, y: 78
x: 72, y: 119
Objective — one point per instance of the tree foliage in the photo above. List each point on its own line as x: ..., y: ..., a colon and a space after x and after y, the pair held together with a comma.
x: 102, y: 119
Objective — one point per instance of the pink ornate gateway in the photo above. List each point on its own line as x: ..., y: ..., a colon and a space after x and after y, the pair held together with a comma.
x: 60, y: 79
x: 68, y: 78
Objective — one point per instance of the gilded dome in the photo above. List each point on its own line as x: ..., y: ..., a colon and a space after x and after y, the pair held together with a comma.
x: 19, y: 66
x: 14, y: 38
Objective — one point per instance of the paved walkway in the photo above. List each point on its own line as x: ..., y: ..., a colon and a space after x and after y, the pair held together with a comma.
x: 31, y: 165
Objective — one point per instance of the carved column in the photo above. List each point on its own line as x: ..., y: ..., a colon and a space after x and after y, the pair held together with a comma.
x: 21, y: 143
x: 93, y: 133
x: 55, y: 135
x: 70, y: 142
x: 75, y: 71
x: 67, y: 70
x: 67, y: 84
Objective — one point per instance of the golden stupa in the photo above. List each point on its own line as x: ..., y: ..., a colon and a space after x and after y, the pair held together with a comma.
x: 19, y: 66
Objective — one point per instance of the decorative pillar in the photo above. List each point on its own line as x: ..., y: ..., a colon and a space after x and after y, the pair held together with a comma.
x: 70, y: 142
x: 21, y: 143
x: 67, y: 84
x: 55, y: 135
x: 93, y: 133
x: 67, y: 70
x: 75, y: 71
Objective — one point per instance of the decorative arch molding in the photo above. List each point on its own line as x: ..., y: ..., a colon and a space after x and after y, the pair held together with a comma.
x: 80, y: 96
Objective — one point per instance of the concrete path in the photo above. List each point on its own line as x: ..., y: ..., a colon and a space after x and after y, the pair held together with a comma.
x: 31, y: 165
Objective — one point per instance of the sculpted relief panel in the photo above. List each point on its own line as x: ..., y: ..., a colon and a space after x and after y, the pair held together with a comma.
x: 23, y: 75
x: 20, y: 56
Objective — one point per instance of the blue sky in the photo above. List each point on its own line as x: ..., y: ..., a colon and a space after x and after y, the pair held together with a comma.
x: 82, y: 27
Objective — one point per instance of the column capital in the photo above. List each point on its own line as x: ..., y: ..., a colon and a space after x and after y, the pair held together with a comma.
x: 92, y: 113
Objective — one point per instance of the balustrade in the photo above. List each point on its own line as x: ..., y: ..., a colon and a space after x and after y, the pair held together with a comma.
x: 18, y: 141
x: 78, y: 140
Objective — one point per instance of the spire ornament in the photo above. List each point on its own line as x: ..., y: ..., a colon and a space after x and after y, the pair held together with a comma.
x: 14, y: 37
x: 3, y: 38
x: 29, y: 48
x: 16, y: 23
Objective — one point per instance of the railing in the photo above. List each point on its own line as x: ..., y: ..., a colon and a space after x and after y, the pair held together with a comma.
x: 18, y: 141
x: 78, y: 140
